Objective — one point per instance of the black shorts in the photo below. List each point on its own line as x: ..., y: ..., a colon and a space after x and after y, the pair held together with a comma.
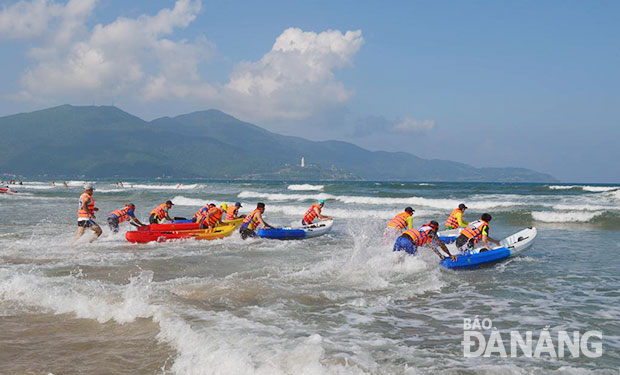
x: 113, y: 223
x: 245, y: 233
x: 153, y: 219
x: 462, y: 240
x: 86, y: 223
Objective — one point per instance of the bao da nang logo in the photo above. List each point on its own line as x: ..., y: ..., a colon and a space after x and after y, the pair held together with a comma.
x: 481, y: 339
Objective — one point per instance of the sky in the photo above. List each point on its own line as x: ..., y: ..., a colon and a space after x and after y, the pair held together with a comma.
x: 532, y: 84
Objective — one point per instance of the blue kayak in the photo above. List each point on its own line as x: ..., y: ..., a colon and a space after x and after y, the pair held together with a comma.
x: 510, y: 246
x: 297, y: 233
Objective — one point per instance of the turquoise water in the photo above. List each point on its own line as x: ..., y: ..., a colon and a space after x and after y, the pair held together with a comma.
x: 343, y: 303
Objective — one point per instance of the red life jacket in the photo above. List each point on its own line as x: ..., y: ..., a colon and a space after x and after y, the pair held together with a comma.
x: 311, y: 213
x: 474, y: 229
x: 399, y: 221
x: 453, y: 220
x: 420, y: 236
x: 90, y: 209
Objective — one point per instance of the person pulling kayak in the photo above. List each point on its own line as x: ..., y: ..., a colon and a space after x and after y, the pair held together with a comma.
x: 455, y: 220
x: 212, y: 218
x: 202, y: 212
x: 473, y: 233
x: 252, y: 221
x: 314, y: 212
x: 160, y: 213
x: 232, y: 212
x: 411, y: 239
x: 86, y: 214
x: 398, y: 224
x: 123, y: 214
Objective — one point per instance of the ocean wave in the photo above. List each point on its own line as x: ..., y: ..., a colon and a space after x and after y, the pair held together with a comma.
x: 305, y: 187
x: 160, y: 186
x: 444, y: 204
x: 593, y: 189
x: 565, y: 217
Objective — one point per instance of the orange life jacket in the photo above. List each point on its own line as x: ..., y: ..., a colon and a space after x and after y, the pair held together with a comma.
x: 160, y: 211
x: 214, y: 214
x: 201, y: 212
x: 453, y: 220
x: 420, y: 236
x: 311, y: 213
x: 231, y: 213
x: 122, y: 214
x: 474, y: 229
x: 251, y: 221
x: 90, y: 209
x: 399, y: 221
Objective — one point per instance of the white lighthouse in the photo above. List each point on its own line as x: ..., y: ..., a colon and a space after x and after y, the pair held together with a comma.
x: 303, y: 163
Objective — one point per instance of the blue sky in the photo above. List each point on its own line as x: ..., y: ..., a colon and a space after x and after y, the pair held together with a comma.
x: 491, y: 83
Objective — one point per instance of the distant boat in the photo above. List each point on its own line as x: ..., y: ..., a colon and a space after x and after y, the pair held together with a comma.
x: 303, y: 163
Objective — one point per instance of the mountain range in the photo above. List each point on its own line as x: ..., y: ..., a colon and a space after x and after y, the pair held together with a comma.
x: 106, y: 142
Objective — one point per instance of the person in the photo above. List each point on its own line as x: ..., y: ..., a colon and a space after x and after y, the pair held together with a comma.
x: 160, y: 213
x: 64, y: 184
x: 411, y: 239
x: 252, y: 221
x: 398, y: 224
x: 212, y: 218
x: 313, y: 212
x: 86, y: 214
x: 474, y: 232
x: 123, y: 214
x: 202, y: 212
x: 455, y: 220
x: 232, y: 212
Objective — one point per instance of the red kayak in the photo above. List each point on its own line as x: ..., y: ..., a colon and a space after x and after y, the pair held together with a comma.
x: 144, y: 236
x: 181, y: 226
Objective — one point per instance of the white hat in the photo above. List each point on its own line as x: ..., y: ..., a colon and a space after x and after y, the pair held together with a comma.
x: 88, y: 186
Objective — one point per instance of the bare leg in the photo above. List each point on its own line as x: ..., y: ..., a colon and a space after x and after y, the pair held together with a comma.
x: 97, y: 229
x: 79, y: 234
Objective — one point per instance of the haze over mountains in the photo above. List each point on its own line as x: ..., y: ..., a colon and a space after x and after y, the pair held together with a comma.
x: 104, y: 141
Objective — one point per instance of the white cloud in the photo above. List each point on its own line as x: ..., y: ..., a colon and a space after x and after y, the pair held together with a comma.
x: 136, y: 58
x: 410, y: 125
x: 296, y: 77
x: 27, y: 19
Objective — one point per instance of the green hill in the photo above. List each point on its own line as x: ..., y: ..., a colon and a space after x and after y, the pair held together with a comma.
x: 98, y: 142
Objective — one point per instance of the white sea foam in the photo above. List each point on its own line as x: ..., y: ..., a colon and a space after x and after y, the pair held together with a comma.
x: 445, y: 204
x: 594, y: 189
x: 565, y: 217
x: 305, y: 187
x: 55, y: 294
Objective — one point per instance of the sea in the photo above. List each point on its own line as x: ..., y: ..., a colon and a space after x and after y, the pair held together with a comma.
x: 342, y: 303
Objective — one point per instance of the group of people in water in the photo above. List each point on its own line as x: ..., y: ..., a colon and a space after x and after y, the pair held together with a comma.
x: 409, y: 238
x: 209, y: 216
x: 400, y: 229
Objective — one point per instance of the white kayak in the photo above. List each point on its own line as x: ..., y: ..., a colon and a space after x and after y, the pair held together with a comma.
x: 509, y: 247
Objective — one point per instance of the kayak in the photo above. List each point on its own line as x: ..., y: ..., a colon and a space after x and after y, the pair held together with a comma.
x: 183, y: 226
x: 7, y: 191
x: 144, y: 236
x: 297, y: 233
x: 509, y: 247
